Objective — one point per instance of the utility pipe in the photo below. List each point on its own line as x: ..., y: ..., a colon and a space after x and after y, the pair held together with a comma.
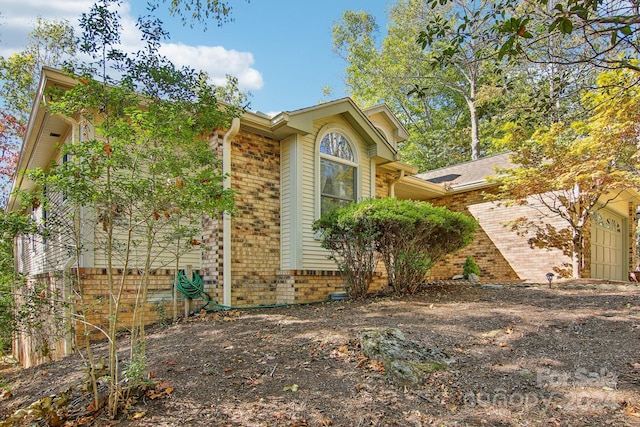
x: 392, y: 185
x: 226, y: 221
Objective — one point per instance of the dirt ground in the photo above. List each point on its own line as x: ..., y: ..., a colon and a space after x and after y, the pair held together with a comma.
x: 525, y: 356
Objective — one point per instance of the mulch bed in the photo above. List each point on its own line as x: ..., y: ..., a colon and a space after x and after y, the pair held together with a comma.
x: 525, y: 356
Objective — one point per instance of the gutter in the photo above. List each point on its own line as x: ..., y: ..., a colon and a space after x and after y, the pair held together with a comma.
x: 392, y: 185
x: 226, y: 222
x: 473, y: 185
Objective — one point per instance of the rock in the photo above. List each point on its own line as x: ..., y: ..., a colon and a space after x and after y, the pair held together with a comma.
x: 497, y: 287
x: 473, y: 278
x: 457, y: 277
x: 405, y: 361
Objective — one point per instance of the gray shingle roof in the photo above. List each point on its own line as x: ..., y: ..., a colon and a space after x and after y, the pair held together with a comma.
x: 464, y: 173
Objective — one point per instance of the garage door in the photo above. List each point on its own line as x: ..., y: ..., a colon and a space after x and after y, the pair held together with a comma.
x: 607, y: 246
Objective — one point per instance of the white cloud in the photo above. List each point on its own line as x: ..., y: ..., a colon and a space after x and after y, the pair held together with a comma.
x: 217, y: 61
x: 18, y: 17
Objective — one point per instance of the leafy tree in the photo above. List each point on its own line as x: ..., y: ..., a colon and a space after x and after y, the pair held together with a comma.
x: 573, y: 170
x: 191, y: 11
x: 10, y: 128
x: 143, y: 166
x: 473, y: 57
x: 607, y: 31
x: 12, y: 224
x: 49, y: 44
x: 597, y: 32
x: 456, y: 97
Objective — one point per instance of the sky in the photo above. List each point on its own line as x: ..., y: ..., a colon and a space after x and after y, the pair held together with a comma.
x: 280, y: 50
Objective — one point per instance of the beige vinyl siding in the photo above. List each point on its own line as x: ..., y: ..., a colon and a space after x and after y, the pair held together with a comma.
x: 163, y: 253
x: 34, y: 248
x: 61, y: 245
x: 286, y: 205
x: 315, y: 257
x: 37, y: 254
x: 291, y: 232
x: 24, y: 259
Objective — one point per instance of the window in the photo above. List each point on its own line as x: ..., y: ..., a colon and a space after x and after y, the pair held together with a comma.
x: 338, y: 172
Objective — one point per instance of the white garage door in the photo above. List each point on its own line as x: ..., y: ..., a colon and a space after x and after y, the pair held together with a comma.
x: 607, y: 247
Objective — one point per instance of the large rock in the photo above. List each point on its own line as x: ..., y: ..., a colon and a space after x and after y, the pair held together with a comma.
x: 405, y: 361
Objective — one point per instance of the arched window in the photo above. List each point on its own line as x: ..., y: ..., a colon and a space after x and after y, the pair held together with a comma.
x: 338, y: 172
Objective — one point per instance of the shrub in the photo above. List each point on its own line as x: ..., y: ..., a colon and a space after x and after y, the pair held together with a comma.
x: 412, y: 236
x: 470, y: 267
x: 409, y: 236
x: 350, y: 236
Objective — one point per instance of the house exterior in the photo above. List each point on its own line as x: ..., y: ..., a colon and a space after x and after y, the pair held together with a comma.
x: 504, y: 255
x: 286, y: 170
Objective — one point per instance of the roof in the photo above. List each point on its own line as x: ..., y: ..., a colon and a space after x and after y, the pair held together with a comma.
x: 463, y: 175
x: 302, y: 121
x: 45, y: 132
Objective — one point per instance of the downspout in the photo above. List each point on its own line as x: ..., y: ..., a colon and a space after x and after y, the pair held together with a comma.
x: 392, y: 185
x: 226, y: 222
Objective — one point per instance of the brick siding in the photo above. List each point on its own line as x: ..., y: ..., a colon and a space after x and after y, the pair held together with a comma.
x: 493, y: 266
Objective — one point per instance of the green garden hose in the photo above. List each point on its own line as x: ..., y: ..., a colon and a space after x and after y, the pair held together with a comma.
x: 192, y: 289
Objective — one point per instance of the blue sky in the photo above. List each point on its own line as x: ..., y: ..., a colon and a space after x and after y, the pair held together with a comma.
x: 280, y: 50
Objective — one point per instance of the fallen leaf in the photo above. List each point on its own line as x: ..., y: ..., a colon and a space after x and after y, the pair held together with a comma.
x: 293, y: 387
x: 632, y: 411
x: 138, y: 415
x: 376, y: 365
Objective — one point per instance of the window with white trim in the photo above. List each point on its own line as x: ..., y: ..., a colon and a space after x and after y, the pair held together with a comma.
x: 338, y: 172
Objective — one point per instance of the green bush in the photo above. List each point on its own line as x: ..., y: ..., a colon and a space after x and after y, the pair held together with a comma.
x: 413, y: 236
x: 409, y: 236
x: 470, y: 267
x: 350, y: 236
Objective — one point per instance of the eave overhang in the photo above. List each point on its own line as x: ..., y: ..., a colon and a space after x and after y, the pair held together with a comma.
x: 42, y: 137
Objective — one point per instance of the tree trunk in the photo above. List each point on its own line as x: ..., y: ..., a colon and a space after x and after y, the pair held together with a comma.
x: 577, y: 255
x: 475, y: 139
